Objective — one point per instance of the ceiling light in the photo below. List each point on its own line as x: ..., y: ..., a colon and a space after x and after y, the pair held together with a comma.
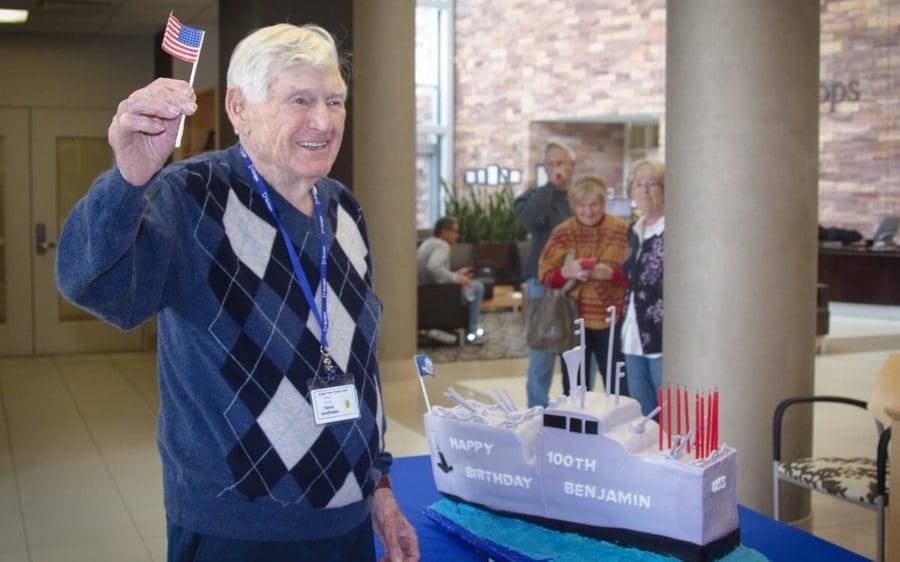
x: 13, y: 16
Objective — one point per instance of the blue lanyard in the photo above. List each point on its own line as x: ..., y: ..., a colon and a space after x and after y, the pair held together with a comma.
x: 321, y: 316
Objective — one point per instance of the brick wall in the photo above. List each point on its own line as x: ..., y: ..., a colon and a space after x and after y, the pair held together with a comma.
x: 529, y: 68
x: 598, y: 147
x: 522, y: 67
x: 859, y: 137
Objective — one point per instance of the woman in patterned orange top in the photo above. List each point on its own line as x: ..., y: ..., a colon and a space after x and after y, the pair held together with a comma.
x: 589, y: 249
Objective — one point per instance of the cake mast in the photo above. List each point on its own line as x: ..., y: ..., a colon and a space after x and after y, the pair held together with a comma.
x: 576, y: 364
x: 611, y: 319
x: 620, y: 374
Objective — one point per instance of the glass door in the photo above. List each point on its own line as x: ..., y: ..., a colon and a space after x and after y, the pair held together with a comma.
x: 15, y: 240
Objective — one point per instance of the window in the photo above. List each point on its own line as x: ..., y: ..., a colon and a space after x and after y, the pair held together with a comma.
x: 641, y: 141
x: 553, y: 420
x: 434, y: 106
x: 575, y: 425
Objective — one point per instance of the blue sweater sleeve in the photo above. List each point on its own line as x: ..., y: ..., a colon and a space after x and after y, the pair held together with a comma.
x: 115, y: 250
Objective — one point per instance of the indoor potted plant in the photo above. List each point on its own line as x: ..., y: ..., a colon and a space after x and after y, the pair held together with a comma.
x: 489, y: 224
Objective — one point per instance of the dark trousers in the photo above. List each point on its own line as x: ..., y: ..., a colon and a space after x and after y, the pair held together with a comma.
x: 597, y: 345
x: 356, y: 546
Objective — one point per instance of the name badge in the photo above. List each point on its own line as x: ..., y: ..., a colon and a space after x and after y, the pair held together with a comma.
x: 334, y: 403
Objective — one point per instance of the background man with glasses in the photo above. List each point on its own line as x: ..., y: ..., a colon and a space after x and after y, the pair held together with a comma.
x: 433, y: 258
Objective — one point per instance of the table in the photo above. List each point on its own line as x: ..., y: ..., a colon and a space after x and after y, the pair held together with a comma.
x: 861, y: 275
x: 414, y: 488
x: 506, y: 297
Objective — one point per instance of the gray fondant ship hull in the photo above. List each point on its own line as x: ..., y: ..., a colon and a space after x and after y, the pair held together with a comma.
x: 585, y: 467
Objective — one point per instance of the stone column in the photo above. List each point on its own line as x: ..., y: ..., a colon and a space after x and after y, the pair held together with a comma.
x: 383, y: 91
x: 741, y: 203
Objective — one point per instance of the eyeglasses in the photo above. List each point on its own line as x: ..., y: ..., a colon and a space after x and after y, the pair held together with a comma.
x: 647, y: 184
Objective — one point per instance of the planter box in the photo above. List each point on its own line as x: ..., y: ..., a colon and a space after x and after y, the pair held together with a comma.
x: 460, y: 256
x: 502, y: 258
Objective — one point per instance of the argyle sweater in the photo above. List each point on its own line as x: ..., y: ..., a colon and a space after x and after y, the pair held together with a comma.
x: 241, y: 455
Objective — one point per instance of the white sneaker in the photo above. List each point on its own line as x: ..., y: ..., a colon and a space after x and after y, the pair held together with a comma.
x: 440, y: 336
x: 475, y: 339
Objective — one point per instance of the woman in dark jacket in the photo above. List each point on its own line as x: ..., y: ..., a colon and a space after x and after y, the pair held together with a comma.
x: 642, y: 326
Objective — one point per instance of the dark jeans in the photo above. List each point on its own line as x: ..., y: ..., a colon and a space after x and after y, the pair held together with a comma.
x: 597, y: 345
x: 356, y: 546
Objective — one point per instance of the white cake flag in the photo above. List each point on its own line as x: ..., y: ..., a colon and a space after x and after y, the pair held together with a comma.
x: 425, y: 368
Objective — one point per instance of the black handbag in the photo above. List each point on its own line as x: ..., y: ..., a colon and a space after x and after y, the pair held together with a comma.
x: 551, y: 321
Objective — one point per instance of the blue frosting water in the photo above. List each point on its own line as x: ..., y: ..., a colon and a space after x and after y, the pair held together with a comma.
x: 514, y: 540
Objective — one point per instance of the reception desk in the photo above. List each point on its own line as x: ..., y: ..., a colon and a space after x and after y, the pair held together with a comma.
x: 861, y: 275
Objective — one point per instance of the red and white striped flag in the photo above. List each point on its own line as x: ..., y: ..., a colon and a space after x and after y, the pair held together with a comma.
x: 182, y: 41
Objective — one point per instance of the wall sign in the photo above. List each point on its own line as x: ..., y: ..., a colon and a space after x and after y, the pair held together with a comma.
x: 835, y: 92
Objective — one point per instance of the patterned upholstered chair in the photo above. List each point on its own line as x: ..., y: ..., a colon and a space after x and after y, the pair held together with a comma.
x: 859, y: 480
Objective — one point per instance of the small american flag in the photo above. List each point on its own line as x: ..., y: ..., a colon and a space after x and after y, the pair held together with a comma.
x: 181, y: 41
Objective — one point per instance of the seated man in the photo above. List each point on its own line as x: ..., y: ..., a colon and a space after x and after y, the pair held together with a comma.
x: 433, y: 259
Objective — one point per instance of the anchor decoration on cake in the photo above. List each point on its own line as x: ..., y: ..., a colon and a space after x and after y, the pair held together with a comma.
x: 442, y: 464
x: 593, y: 464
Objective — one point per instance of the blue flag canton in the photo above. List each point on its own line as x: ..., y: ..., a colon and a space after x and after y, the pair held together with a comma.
x: 424, y: 366
x: 190, y: 36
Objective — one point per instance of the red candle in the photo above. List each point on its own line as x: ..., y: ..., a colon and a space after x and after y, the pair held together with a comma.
x: 669, y: 416
x: 678, y: 408
x: 716, y: 418
x: 697, y: 425
x: 709, y: 423
x: 702, y: 426
x: 659, y: 415
x: 687, y: 418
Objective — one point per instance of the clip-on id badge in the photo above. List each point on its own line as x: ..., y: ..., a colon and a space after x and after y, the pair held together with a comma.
x: 333, y: 395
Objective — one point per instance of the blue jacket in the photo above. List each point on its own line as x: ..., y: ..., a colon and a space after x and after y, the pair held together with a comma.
x: 540, y: 210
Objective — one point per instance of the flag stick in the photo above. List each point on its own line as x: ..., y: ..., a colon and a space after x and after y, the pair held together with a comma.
x: 191, y: 83
x: 425, y: 394
x: 609, y: 352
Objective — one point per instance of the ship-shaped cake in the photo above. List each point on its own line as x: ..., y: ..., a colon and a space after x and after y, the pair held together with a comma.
x: 591, y: 463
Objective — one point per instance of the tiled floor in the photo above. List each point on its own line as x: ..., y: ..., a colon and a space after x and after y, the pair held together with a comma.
x: 80, y: 475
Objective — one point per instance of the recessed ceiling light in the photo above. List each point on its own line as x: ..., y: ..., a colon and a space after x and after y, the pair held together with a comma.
x: 13, y: 16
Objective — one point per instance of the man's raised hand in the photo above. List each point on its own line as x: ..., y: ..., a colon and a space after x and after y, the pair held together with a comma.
x: 142, y: 133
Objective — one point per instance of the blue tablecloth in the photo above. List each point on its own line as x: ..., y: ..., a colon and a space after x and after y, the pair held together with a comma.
x: 414, y: 488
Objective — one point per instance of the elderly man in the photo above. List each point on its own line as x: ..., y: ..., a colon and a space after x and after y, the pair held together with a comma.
x: 271, y: 423
x: 541, y: 209
x: 433, y: 258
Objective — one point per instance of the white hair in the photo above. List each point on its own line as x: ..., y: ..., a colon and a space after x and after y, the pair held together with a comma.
x: 557, y: 143
x: 265, y: 52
